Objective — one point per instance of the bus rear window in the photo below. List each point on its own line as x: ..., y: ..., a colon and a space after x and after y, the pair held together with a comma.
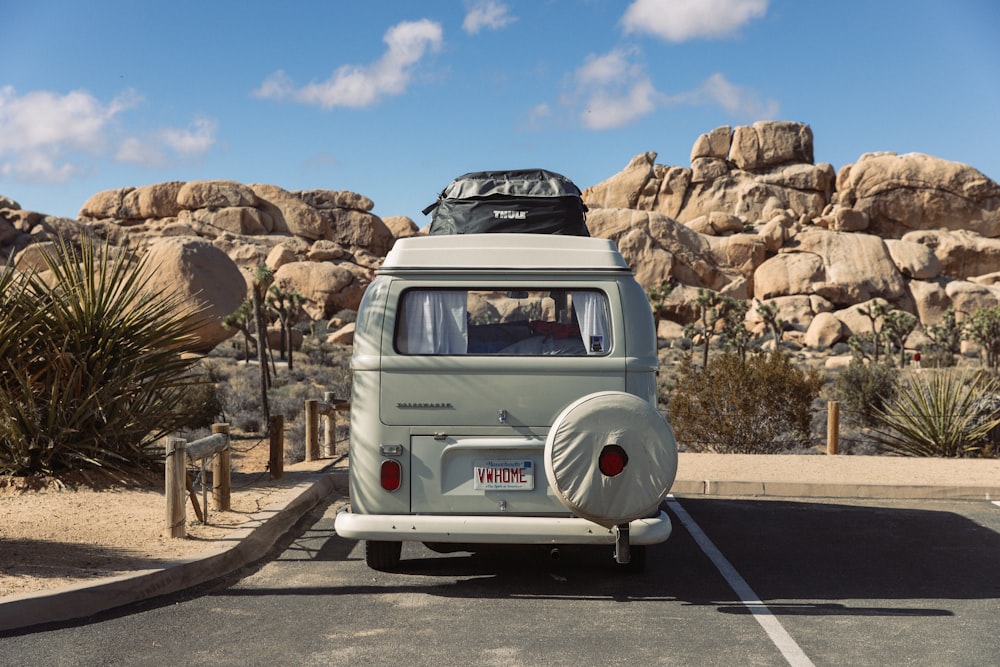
x: 522, y: 322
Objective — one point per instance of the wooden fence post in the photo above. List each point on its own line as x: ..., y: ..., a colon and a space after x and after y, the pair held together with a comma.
x: 312, y: 429
x: 176, y: 472
x: 329, y: 427
x: 276, y: 435
x: 832, y: 427
x: 221, y: 473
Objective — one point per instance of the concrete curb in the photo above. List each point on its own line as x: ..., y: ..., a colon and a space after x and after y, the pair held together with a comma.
x: 832, y: 490
x: 242, y: 546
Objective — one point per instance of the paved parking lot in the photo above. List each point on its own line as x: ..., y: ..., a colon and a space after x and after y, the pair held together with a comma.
x: 741, y: 581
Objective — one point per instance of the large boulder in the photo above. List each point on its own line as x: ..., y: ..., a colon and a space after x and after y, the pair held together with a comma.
x: 401, y: 226
x: 327, y: 199
x: 204, y: 278
x: 623, y: 190
x: 902, y: 193
x: 214, y: 194
x: 854, y: 320
x: 659, y: 249
x: 914, y: 260
x: 327, y: 286
x: 357, y: 229
x: 714, y: 144
x: 105, y: 204
x: 968, y: 297
x: 290, y: 214
x: 856, y: 267
x: 743, y: 252
x: 930, y: 300
x: 770, y: 143
x: 786, y: 274
x: 159, y: 200
x: 241, y: 220
x: 824, y: 330
x: 962, y: 254
x: 134, y: 204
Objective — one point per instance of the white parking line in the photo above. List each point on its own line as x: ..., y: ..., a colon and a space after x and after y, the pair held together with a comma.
x: 779, y: 636
x: 997, y: 503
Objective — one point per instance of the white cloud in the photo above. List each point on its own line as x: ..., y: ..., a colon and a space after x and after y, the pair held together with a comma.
x: 193, y: 140
x: 612, y: 91
x: 277, y: 86
x: 137, y: 151
x: 46, y: 137
x: 165, y: 145
x: 737, y: 100
x: 37, y: 167
x: 680, y: 20
x: 363, y: 85
x: 488, y: 14
x: 41, y: 131
x: 607, y: 111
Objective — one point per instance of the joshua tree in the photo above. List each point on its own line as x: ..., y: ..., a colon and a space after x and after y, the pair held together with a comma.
x: 262, y: 279
x: 983, y: 326
x: 287, y: 304
x: 896, y: 326
x: 768, y: 313
x: 241, y: 319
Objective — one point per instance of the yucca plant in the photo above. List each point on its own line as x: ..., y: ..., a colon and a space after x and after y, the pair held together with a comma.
x: 90, y: 366
x: 938, y: 413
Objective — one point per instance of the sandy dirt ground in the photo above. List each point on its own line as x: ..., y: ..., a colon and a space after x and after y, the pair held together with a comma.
x: 53, y: 537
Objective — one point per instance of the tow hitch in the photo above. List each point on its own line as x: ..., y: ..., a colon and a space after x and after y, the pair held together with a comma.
x: 623, y: 554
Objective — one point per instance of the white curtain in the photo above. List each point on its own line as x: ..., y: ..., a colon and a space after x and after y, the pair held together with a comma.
x: 592, y: 314
x: 436, y: 322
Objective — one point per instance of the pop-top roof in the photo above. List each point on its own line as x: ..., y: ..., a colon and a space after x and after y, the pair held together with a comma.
x: 505, y: 251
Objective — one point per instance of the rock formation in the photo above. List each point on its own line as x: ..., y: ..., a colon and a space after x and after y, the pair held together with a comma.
x: 918, y: 232
x: 752, y: 217
x: 209, y: 236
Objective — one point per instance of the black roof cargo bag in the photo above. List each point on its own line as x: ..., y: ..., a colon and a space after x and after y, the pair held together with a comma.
x: 532, y: 201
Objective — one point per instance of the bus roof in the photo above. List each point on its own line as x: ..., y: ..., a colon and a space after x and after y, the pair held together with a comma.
x: 505, y: 251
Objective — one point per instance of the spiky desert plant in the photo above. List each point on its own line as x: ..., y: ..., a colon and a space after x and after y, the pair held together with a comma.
x: 91, y: 371
x: 937, y: 413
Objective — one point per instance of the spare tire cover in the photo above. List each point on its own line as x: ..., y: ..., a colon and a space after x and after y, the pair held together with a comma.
x: 576, y: 439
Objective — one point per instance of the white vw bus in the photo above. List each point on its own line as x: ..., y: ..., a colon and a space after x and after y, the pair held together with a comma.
x: 504, y: 392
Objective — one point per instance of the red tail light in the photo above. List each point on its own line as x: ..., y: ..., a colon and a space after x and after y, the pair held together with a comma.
x: 612, y: 460
x: 391, y: 475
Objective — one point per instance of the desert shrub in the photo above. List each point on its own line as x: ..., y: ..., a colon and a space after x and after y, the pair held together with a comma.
x: 320, y: 353
x: 90, y: 372
x: 200, y: 406
x: 295, y: 440
x: 937, y: 358
x: 863, y: 389
x: 940, y: 413
x: 755, y: 406
x: 289, y: 400
x: 240, y: 397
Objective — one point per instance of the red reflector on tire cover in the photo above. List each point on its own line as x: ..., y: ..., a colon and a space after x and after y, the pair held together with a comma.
x: 391, y: 475
x: 612, y: 460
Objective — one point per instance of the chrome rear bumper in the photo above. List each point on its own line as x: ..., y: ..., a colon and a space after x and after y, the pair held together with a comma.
x: 495, y: 529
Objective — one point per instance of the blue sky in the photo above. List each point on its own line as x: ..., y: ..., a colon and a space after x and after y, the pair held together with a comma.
x: 394, y: 99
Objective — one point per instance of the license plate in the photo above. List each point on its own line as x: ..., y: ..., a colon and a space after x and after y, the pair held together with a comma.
x: 503, y: 475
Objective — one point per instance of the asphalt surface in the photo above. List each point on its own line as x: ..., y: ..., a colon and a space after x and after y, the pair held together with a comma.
x: 699, y: 475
